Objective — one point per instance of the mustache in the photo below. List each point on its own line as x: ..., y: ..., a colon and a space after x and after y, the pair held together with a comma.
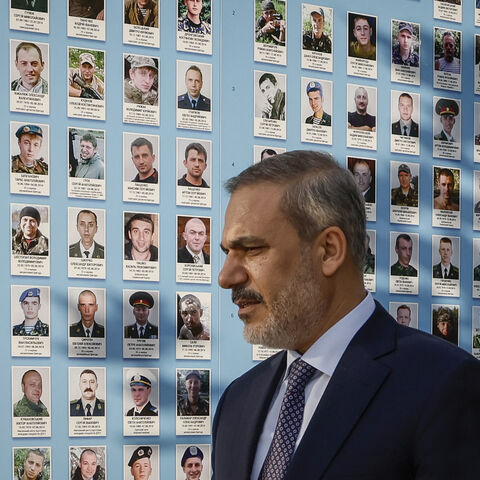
x: 245, y: 294
x: 88, y: 390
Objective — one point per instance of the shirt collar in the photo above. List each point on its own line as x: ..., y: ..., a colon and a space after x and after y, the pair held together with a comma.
x: 199, y: 255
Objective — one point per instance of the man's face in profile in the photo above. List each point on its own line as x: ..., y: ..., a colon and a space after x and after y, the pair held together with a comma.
x: 195, y: 235
x: 143, y: 78
x: 29, y: 145
x: 405, y: 107
x: 195, y: 163
x: 191, y: 313
x: 140, y: 394
x: 88, y: 386
x: 362, y: 31
x: 143, y: 159
x: 87, y: 306
x: 29, y: 66
x: 88, y: 465
x: 403, y: 316
x: 30, y: 307
x: 361, y: 100
x: 405, y: 40
x: 447, y: 121
x: 404, y: 251
x: 29, y: 227
x: 362, y: 175
x: 193, y: 468
x: 87, y: 150
x: 141, y: 235
x: 446, y: 252
x: 316, y: 101
x: 141, y: 469
x: 405, y: 179
x: 32, y: 386
x: 141, y: 313
x: 193, y: 82
x: 269, y: 90
x: 87, y: 228
x: 445, y: 185
x: 33, y: 466
x: 87, y: 71
x: 317, y: 24
x: 449, y: 47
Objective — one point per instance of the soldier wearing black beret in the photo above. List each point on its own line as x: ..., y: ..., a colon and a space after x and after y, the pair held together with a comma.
x: 139, y: 463
x: 28, y: 240
x: 192, y: 462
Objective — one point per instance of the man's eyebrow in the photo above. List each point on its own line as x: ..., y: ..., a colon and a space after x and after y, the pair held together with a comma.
x: 243, y: 241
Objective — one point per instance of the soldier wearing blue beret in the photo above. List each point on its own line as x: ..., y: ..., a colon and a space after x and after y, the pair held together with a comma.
x: 140, y: 388
x: 192, y: 463
x: 315, y: 98
x: 31, y: 325
x: 30, y: 139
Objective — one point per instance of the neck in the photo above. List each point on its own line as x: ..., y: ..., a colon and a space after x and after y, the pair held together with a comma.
x: 193, y: 180
x: 25, y: 161
x: 30, y: 322
x: 194, y: 18
x: 141, y: 256
x: 86, y: 246
x: 143, y: 176
x: 87, y: 324
x: 318, y: 114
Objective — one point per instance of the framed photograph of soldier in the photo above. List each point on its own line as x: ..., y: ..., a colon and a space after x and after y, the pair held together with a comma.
x: 140, y: 246
x: 29, y: 77
x: 446, y: 197
x: 476, y: 268
x: 141, y: 402
x: 194, y: 26
x: 445, y: 322
x: 476, y: 131
x: 270, y: 105
x: 33, y: 463
x: 404, y: 263
x: 316, y: 114
x: 404, y: 193
x: 476, y: 331
x: 140, y: 89
x: 370, y: 266
x: 447, y: 52
x: 87, y: 322
x: 141, y: 462
x: 364, y: 171
x: 31, y: 402
x: 30, y: 227
x: 86, y: 19
x: 362, y: 45
x: 86, y: 243
x: 194, y: 326
x: 445, y: 266
x: 194, y: 173
x: 193, y: 401
x: 192, y: 461
x: 405, y: 119
x: 141, y: 165
x: 260, y: 152
x: 447, y: 128
x: 88, y: 462
x: 193, y: 254
x: 86, y: 79
x: 194, y: 95
x: 476, y: 200
x: 141, y: 23
x: 317, y: 37
x: 30, y: 16
x: 450, y: 10
x: 87, y: 393
x: 405, y: 41
x: 361, y: 117
x: 141, y: 323
x: 30, y: 320
x: 86, y: 163
x: 30, y: 156
x: 270, y: 35
x: 405, y: 313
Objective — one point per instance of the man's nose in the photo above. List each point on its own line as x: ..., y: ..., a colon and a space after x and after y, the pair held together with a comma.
x: 232, y: 274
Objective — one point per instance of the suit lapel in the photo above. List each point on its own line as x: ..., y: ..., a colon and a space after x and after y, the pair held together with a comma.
x: 358, y: 376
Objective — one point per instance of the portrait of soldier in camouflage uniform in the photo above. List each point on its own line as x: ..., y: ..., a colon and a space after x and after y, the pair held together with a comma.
x: 141, y: 12
x: 28, y: 239
x: 30, y: 138
x: 191, y: 20
x: 31, y: 325
x: 30, y: 404
x: 141, y: 85
x: 405, y: 195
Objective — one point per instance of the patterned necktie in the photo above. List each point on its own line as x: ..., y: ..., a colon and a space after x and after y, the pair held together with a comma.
x: 289, y: 422
x: 86, y: 253
x: 88, y: 407
x: 196, y: 259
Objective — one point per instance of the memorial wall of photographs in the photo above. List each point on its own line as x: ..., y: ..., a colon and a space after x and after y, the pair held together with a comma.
x: 124, y: 120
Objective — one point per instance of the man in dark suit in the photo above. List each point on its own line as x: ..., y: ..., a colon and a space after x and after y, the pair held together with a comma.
x: 87, y: 326
x: 445, y: 269
x: 405, y: 125
x: 141, y: 302
x: 88, y: 405
x: 364, y: 179
x: 378, y: 400
x: 86, y: 247
x: 193, y: 99
x: 195, y: 236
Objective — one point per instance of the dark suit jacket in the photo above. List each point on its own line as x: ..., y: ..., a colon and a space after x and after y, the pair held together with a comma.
x: 203, y: 103
x: 441, y: 136
x: 75, y: 251
x: 369, y: 197
x: 437, y: 272
x: 184, y: 256
x: 396, y: 393
x: 396, y: 130
x: 130, y: 331
x: 76, y: 330
x: 76, y: 409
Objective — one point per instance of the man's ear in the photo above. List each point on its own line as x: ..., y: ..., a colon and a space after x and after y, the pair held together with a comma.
x: 330, y: 250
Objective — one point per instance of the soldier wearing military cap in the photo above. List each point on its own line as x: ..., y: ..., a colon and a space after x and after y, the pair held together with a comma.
x: 30, y: 404
x: 30, y: 139
x: 31, y: 325
x: 28, y: 240
x: 193, y: 98
x: 448, y: 110
x: 192, y: 21
x: 139, y: 88
x: 315, y: 98
x: 141, y: 302
x: 86, y: 71
x: 404, y: 195
x: 270, y: 26
x: 402, y: 52
x: 141, y: 388
x: 139, y: 463
x: 316, y: 39
x: 192, y: 463
x: 192, y: 404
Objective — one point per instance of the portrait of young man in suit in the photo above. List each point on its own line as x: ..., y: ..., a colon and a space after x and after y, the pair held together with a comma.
x: 294, y: 244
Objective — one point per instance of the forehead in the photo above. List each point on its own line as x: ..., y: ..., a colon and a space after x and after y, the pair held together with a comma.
x: 445, y: 245
x: 88, y: 456
x: 193, y: 74
x: 28, y: 52
x: 445, y: 178
x: 359, y: 92
x: 195, y: 153
x: 140, y: 149
x: 449, y: 39
x: 144, y: 70
x: 88, y: 377
x: 361, y: 167
x: 36, y: 458
x: 196, y: 225
x: 189, y: 302
x: 31, y: 137
x: 193, y: 460
x: 87, y: 297
x: 86, y: 216
x: 32, y: 377
x: 142, y: 224
x: 361, y: 22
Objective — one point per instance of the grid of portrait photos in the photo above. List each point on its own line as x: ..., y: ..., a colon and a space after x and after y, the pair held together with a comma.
x: 411, y: 149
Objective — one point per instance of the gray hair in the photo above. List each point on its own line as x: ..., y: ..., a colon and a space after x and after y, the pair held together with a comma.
x: 318, y: 194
